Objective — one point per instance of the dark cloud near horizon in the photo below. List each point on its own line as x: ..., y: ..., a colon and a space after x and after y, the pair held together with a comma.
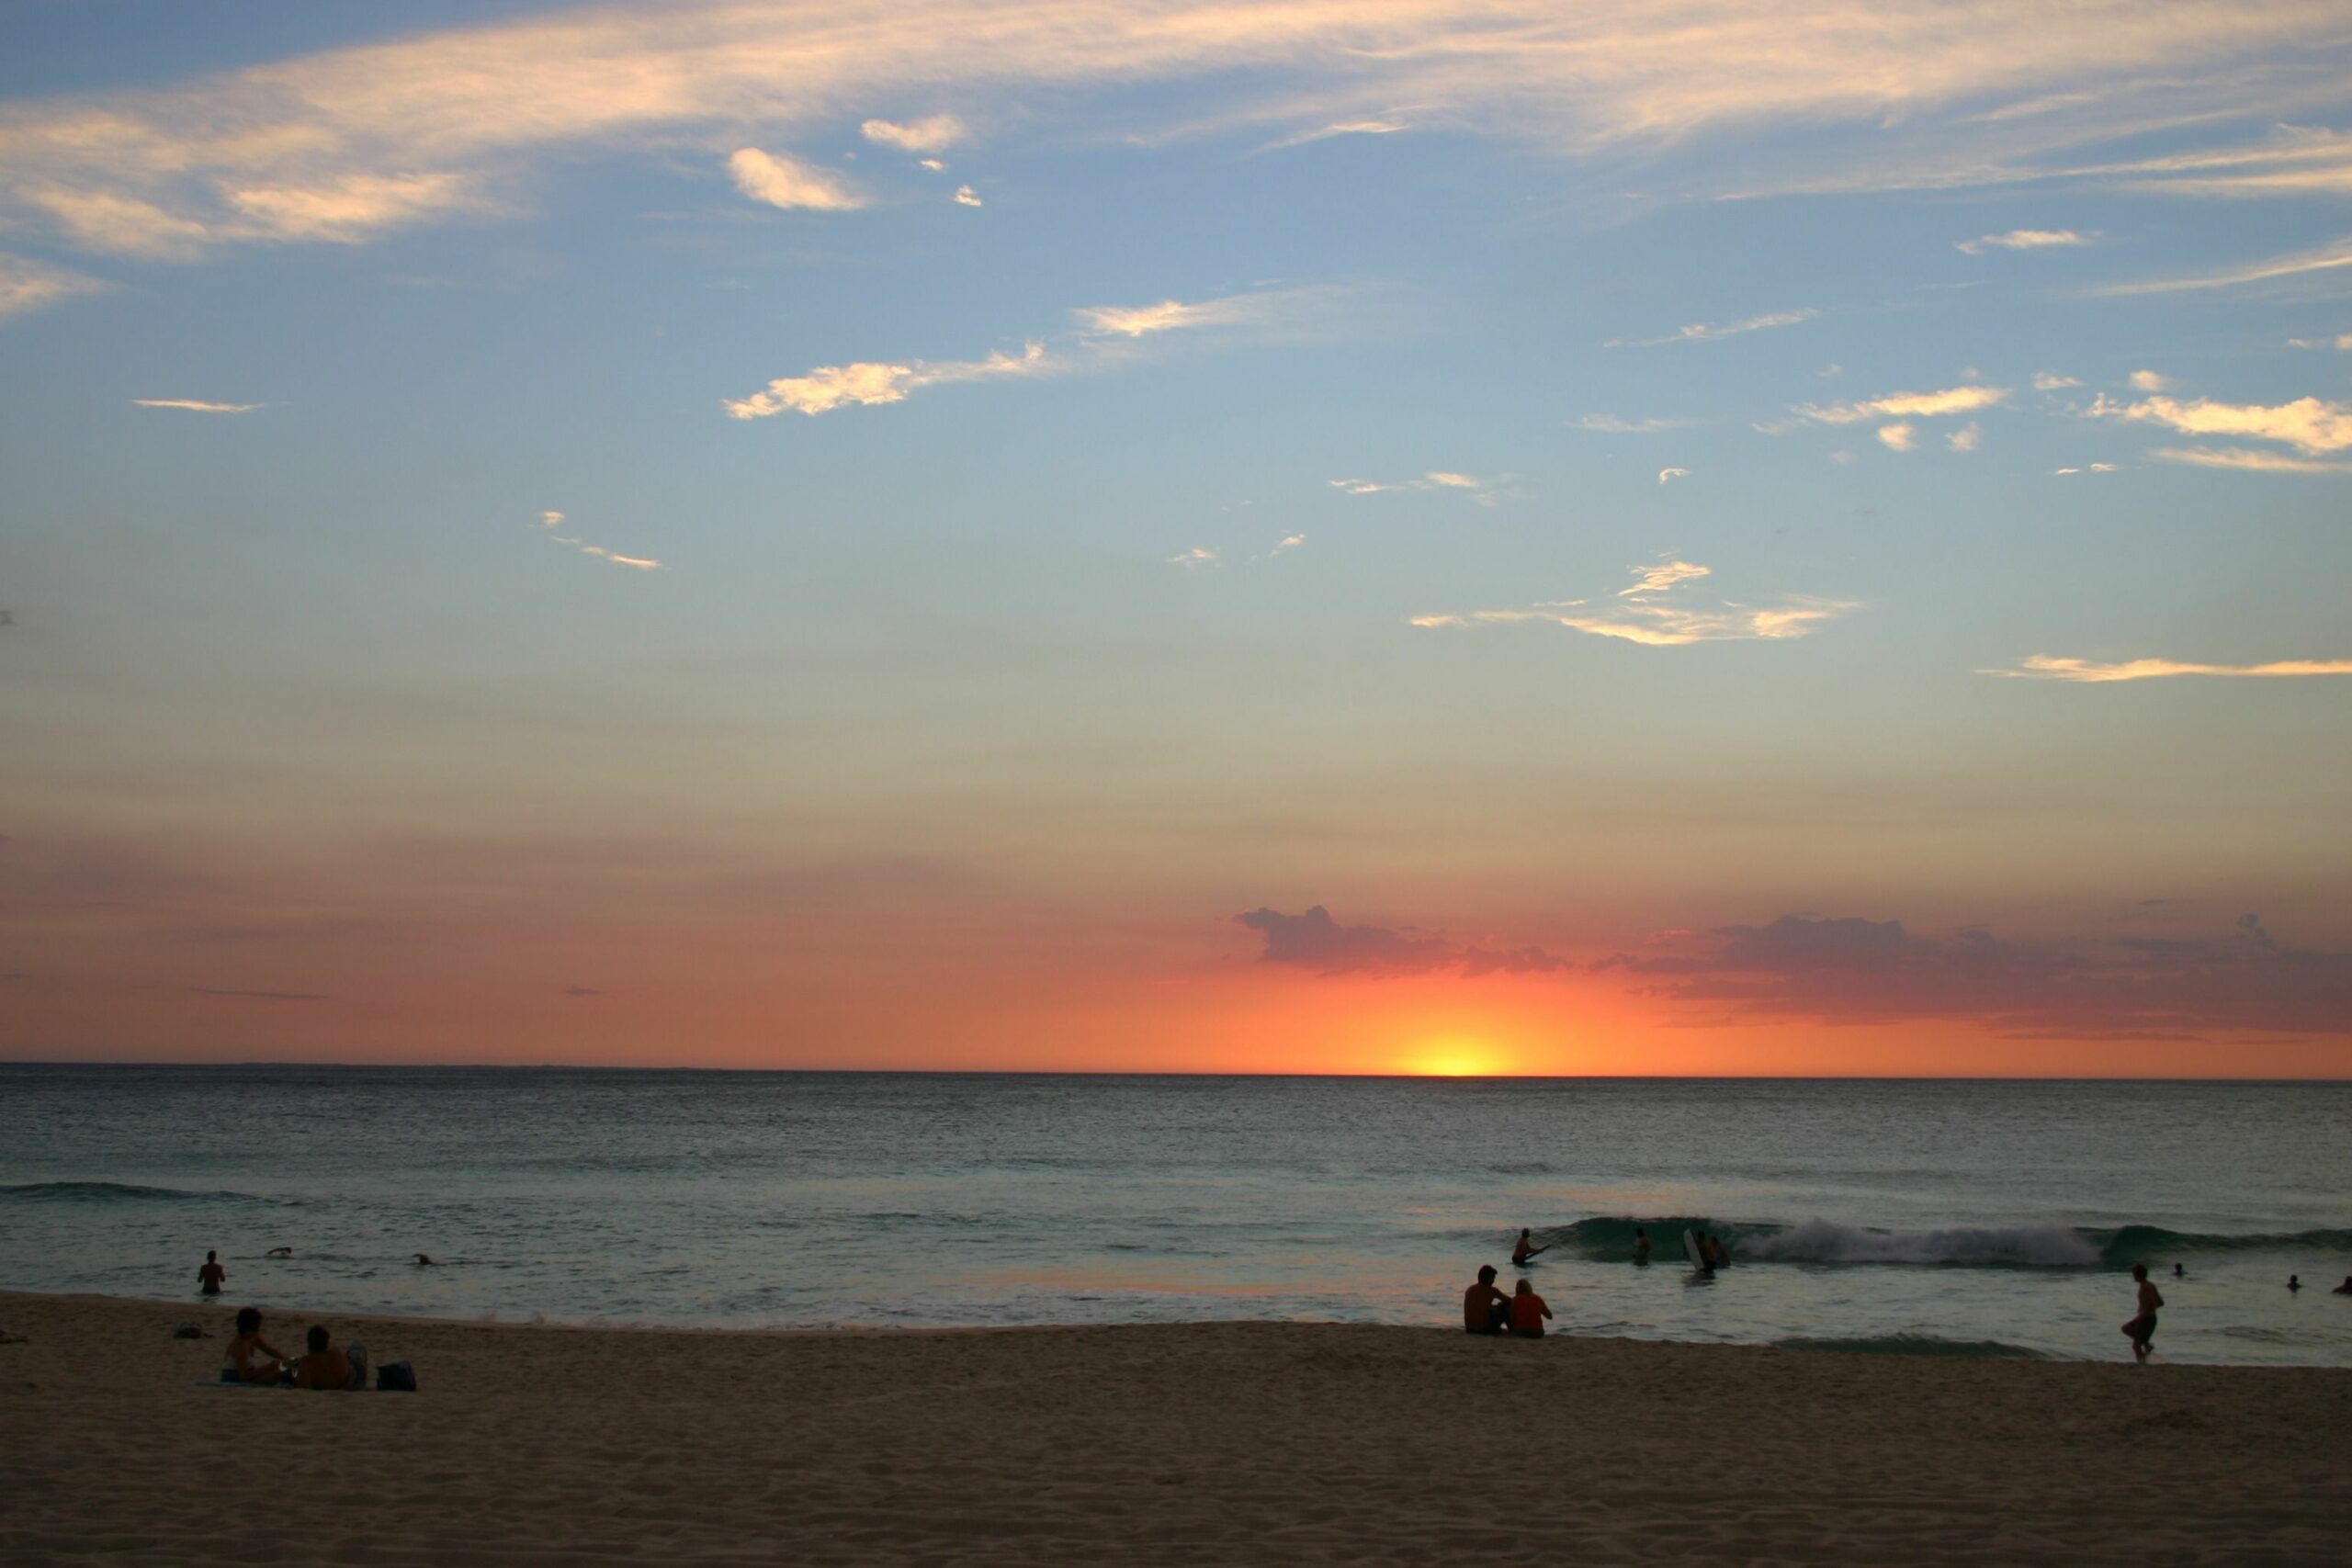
x: 1846, y: 970
x: 1313, y: 940
x: 260, y: 996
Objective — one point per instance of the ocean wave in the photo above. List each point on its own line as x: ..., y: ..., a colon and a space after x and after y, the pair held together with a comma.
x: 114, y: 1192
x: 1917, y: 1345
x: 1984, y: 1246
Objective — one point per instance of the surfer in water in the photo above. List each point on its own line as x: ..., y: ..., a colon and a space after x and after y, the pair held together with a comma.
x: 1525, y: 1248
x: 1717, y: 1258
x: 425, y: 1260
x: 1641, y: 1247
x: 208, y: 1277
x: 2344, y: 1289
x: 2142, y: 1328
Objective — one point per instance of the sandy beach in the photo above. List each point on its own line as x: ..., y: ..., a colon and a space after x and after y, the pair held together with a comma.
x: 1209, y: 1443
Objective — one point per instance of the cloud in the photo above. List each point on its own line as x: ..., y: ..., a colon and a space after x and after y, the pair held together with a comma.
x: 966, y: 196
x: 2093, y: 467
x: 785, y: 182
x: 1609, y: 424
x: 1967, y: 438
x: 1904, y: 405
x: 1199, y: 555
x: 2329, y: 257
x: 1477, y: 490
x: 2246, y: 460
x: 935, y: 133
x: 2307, y: 425
x: 2149, y: 381
x: 470, y: 113
x: 1664, y: 475
x: 259, y: 995
x: 1701, y: 332
x: 1899, y: 437
x: 2342, y: 341
x: 2042, y: 667
x: 2021, y: 240
x: 550, y: 521
x: 1313, y: 940
x: 2052, y: 381
x: 193, y: 405
x: 830, y: 386
x: 1652, y: 614
x: 933, y: 164
x: 27, y: 284
x: 1848, y: 971
x: 1341, y: 128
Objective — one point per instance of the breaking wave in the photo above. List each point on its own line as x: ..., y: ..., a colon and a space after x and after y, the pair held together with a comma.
x: 114, y: 1192
x: 1985, y: 1247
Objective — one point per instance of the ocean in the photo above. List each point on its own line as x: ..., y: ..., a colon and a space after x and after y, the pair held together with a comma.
x: 1932, y: 1217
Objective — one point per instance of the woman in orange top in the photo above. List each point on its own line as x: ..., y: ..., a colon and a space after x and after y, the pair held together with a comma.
x: 1528, y: 1312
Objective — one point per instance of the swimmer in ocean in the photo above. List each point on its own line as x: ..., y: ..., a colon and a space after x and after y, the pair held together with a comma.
x: 1525, y: 1248
x: 1641, y: 1247
x: 425, y: 1260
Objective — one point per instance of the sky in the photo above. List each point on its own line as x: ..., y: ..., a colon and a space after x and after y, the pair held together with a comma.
x: 1725, y: 536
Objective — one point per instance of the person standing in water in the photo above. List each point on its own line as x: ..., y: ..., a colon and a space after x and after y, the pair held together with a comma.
x: 2294, y: 1281
x: 1641, y: 1247
x: 1525, y: 1248
x: 2142, y: 1328
x: 208, y: 1279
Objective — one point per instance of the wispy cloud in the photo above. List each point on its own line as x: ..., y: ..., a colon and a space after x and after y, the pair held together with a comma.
x: 1199, y: 555
x: 1609, y: 424
x: 1703, y: 332
x: 868, y: 382
x: 1313, y: 940
x: 2043, y: 667
x: 2342, y: 342
x: 196, y: 405
x: 2330, y: 257
x: 1899, y: 437
x: 552, y: 521
x: 934, y: 133
x: 1477, y: 489
x: 2248, y: 459
x: 1967, y: 438
x: 28, y: 285
x: 2021, y: 240
x: 2309, y: 424
x: 783, y: 181
x: 1666, y: 476
x: 2149, y: 381
x: 2090, y: 468
x: 2052, y: 381
x: 1904, y: 405
x: 316, y: 145
x: 966, y: 197
x: 1654, y: 614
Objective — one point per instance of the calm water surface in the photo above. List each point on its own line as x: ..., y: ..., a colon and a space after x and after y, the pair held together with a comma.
x: 1956, y: 1217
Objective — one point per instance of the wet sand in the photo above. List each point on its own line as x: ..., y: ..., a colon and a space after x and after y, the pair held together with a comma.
x: 1229, y: 1443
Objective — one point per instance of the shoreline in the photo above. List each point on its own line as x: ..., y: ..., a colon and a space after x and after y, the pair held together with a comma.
x: 1221, y: 1442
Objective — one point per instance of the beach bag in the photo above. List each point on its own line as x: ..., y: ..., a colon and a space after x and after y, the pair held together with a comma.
x: 396, y: 1377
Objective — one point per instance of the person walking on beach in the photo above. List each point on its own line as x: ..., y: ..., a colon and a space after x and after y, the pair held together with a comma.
x: 1485, y: 1310
x: 208, y: 1277
x: 1528, y: 1312
x: 1525, y: 1248
x: 2142, y: 1328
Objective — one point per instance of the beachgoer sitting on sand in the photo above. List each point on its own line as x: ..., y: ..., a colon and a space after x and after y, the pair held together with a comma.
x: 1528, y: 1312
x: 1485, y: 1310
x: 2142, y: 1328
x: 252, y: 1358
x: 1640, y: 1245
x: 1526, y: 1247
x: 208, y: 1277
x: 328, y: 1368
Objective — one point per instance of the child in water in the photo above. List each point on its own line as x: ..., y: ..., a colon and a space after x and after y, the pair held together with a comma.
x: 2142, y: 1328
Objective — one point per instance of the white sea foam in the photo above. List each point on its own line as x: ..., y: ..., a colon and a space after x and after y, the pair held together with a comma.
x: 1823, y: 1241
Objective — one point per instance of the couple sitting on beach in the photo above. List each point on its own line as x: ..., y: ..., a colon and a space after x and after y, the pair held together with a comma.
x: 252, y: 1360
x: 1485, y: 1310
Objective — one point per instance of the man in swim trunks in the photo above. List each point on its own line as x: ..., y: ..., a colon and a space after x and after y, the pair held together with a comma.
x: 1525, y: 1248
x: 326, y: 1367
x: 1641, y: 1245
x: 2142, y: 1328
x: 210, y: 1277
x: 253, y: 1359
x: 1485, y: 1310
x: 1528, y: 1312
